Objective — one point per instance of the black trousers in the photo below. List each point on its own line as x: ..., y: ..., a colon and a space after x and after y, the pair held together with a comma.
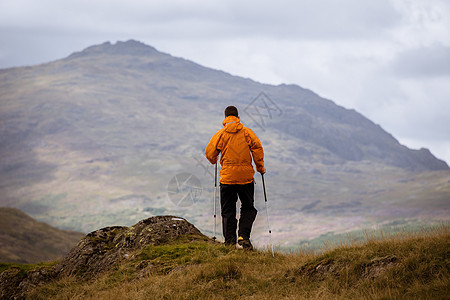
x: 228, y: 197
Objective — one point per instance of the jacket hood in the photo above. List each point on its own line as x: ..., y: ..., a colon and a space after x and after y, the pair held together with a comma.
x: 232, y: 124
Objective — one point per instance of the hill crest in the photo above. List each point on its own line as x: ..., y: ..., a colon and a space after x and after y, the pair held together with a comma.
x: 130, y: 47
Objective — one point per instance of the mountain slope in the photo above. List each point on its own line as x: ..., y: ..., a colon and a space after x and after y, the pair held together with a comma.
x: 96, y: 85
x: 24, y: 240
x: 96, y: 138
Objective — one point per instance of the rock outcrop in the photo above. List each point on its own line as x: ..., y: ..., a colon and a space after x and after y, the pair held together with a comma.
x: 100, y: 251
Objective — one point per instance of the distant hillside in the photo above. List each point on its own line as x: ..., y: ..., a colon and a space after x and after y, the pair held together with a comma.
x: 94, y: 139
x: 24, y: 240
x: 168, y: 258
x: 124, y: 94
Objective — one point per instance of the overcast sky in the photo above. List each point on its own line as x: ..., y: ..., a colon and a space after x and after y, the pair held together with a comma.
x: 388, y: 59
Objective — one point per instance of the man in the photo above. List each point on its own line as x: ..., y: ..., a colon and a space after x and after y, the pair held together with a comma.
x: 237, y: 144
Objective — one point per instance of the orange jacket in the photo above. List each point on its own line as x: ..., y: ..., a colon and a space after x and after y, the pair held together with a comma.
x: 237, y: 144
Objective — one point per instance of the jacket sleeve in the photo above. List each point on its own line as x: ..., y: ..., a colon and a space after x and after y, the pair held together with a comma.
x: 257, y: 150
x: 213, y: 148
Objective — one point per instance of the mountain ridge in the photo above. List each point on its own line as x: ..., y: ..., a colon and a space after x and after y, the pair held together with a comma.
x: 132, y: 47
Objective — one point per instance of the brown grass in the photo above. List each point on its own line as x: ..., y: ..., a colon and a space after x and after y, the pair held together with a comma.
x: 401, y: 266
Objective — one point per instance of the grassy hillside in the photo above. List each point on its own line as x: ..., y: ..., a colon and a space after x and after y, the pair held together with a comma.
x: 400, y: 266
x: 24, y: 240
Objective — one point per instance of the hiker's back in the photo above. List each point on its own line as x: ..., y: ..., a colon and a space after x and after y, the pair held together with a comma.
x: 236, y: 159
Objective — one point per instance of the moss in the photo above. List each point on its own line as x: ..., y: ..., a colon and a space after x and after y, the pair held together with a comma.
x: 173, y: 252
x: 25, y: 267
x: 167, y: 257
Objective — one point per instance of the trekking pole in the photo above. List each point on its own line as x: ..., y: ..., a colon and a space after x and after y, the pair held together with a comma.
x: 267, y: 215
x: 215, y: 192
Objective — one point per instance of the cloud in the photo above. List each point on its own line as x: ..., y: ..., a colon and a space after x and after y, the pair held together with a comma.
x: 388, y: 59
x: 431, y: 61
x: 194, y: 19
x: 54, y: 29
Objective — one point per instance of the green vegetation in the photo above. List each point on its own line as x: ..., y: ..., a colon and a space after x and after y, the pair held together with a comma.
x: 165, y: 258
x: 400, y: 266
x: 25, y: 267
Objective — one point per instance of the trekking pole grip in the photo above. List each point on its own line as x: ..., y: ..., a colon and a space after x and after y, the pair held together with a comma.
x: 264, y: 187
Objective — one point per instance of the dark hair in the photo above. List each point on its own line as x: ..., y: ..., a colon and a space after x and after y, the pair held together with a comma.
x: 231, y: 111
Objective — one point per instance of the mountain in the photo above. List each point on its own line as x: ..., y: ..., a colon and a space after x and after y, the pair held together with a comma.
x: 167, y: 257
x: 103, y: 136
x: 24, y: 240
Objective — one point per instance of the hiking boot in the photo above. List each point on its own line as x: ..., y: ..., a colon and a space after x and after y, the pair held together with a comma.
x: 231, y: 245
x: 245, y: 243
